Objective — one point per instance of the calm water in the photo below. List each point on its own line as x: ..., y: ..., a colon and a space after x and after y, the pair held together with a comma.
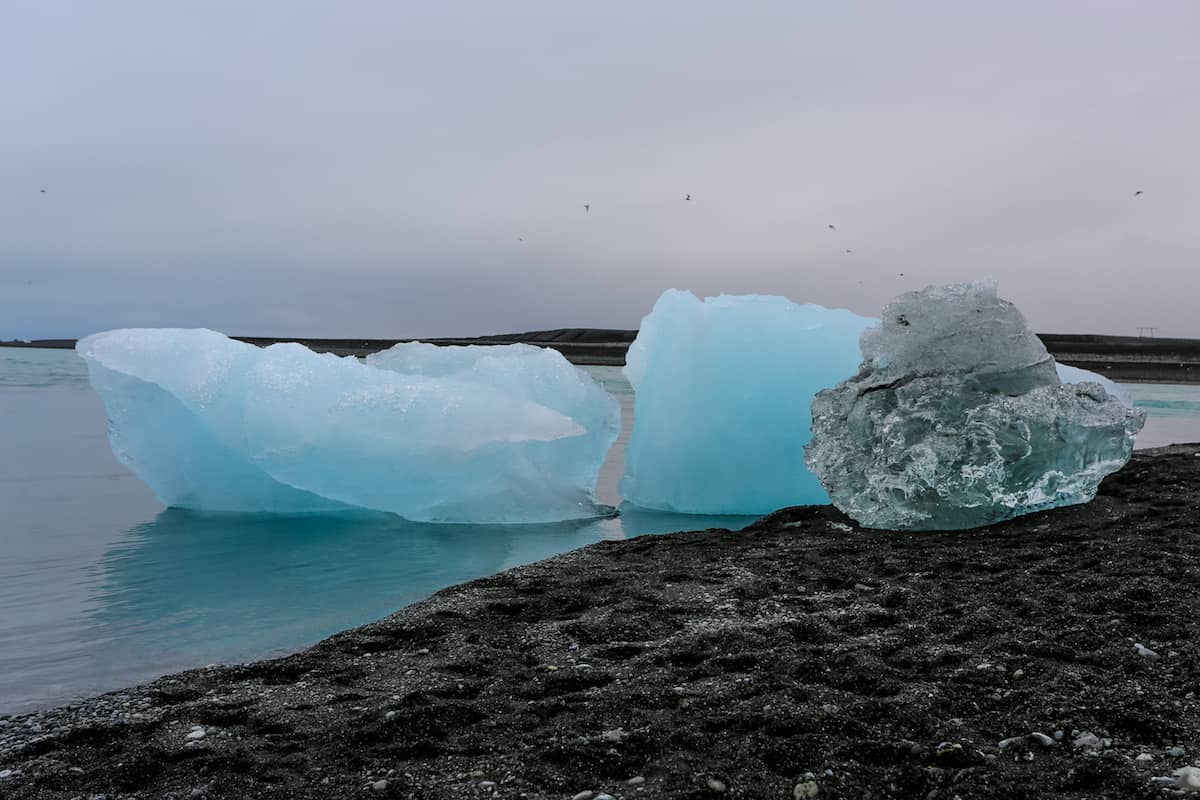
x: 100, y: 587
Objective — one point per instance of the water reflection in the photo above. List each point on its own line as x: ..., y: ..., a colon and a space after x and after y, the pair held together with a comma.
x: 188, y: 589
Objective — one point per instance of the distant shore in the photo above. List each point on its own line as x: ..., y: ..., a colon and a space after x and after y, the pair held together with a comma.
x: 801, y: 657
x: 1121, y: 358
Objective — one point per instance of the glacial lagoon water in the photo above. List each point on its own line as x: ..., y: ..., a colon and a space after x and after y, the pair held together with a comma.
x: 100, y: 587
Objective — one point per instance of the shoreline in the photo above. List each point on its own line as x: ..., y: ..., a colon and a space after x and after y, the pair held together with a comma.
x: 711, y: 663
x: 1128, y: 359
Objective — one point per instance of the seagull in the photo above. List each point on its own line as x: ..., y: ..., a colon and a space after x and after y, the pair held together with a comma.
x: 44, y: 191
x: 586, y: 207
x: 689, y: 197
x: 1139, y: 191
x: 520, y: 238
x: 849, y: 251
x: 833, y: 229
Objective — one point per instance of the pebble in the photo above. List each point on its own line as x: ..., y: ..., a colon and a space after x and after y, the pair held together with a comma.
x: 378, y: 786
x: 487, y: 784
x: 805, y: 790
x: 390, y: 715
x: 424, y: 651
x: 636, y: 780
x: 604, y: 797
x: 1042, y: 739
x: 1018, y: 674
x: 716, y: 785
x: 586, y: 794
x: 5, y: 774
x: 1145, y: 652
x: 830, y: 708
x: 1009, y: 742
x: 196, y: 734
x: 615, y: 736
x: 1144, y: 757
x: 1188, y: 778
x: 1087, y: 739
x: 1176, y: 752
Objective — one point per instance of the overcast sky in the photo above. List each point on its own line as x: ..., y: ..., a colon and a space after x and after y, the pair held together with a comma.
x: 421, y: 168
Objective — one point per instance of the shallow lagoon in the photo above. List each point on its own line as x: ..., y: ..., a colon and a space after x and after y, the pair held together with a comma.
x: 100, y: 587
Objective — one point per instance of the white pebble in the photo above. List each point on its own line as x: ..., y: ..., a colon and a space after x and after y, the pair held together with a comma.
x: 1042, y: 739
x: 604, y: 797
x: 716, y: 785
x: 487, y: 784
x: 1087, y: 739
x: 615, y: 736
x: 196, y: 734
x: 1188, y: 778
x: 1176, y: 752
x: 1009, y: 742
x: 636, y: 780
x: 378, y: 786
x: 390, y: 715
x: 830, y: 708
x: 1145, y: 652
x: 5, y: 774
x: 586, y: 794
x: 805, y: 790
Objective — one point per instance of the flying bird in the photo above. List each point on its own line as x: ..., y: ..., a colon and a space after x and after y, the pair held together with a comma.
x: 1139, y: 191
x: 520, y: 238
x: 849, y: 251
x: 44, y: 191
x: 689, y: 197
x: 586, y: 208
x: 833, y: 229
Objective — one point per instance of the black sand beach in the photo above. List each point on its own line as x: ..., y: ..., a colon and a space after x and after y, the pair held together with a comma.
x: 802, y: 657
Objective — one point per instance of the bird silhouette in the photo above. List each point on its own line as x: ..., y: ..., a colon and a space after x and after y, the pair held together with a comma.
x: 849, y: 251
x: 520, y: 238
x: 586, y: 208
x: 833, y: 229
x: 44, y: 191
x: 1139, y: 191
x: 689, y: 197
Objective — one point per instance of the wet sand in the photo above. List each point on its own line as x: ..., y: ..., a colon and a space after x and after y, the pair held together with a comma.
x: 802, y: 657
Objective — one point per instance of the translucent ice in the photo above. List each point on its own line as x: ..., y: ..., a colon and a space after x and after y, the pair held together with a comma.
x: 957, y: 418
x: 1069, y: 374
x: 723, y: 388
x: 215, y: 424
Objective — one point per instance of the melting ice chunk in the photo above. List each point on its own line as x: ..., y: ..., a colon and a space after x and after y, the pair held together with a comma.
x: 723, y: 388
x: 215, y: 424
x: 957, y: 418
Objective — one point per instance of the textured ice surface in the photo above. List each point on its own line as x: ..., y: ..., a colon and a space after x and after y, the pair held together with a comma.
x: 1069, y: 374
x: 722, y: 405
x: 957, y: 418
x: 215, y: 424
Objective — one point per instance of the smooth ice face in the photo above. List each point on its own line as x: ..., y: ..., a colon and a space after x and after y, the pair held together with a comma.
x: 957, y: 418
x: 723, y: 388
x: 215, y: 424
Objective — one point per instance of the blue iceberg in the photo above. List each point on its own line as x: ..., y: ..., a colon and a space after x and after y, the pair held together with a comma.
x: 723, y: 389
x: 214, y: 424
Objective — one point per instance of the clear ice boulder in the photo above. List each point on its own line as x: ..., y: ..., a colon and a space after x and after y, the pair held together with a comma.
x: 957, y: 418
